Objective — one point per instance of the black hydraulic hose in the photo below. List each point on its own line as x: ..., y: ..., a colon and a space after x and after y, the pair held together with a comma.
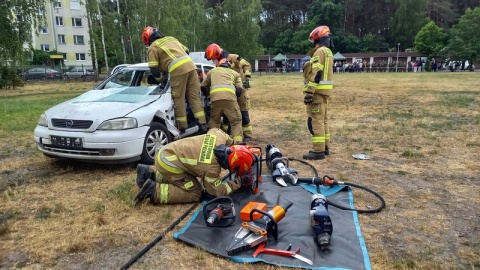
x: 361, y: 211
x: 159, y: 238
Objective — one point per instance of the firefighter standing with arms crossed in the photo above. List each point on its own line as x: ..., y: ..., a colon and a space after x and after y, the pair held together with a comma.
x: 243, y: 67
x: 318, y: 73
x: 185, y: 168
x: 224, y: 85
x: 167, y: 54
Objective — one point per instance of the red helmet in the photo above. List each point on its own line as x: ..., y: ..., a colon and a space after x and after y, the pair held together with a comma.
x: 240, y: 160
x: 321, y: 31
x: 147, y: 32
x: 213, y: 52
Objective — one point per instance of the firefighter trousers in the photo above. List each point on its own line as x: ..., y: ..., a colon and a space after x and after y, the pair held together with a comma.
x: 231, y: 110
x: 176, y: 188
x: 317, y: 122
x: 187, y: 85
x: 244, y: 104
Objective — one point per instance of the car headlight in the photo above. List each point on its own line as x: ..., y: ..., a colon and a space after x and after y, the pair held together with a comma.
x: 42, y: 120
x: 119, y: 124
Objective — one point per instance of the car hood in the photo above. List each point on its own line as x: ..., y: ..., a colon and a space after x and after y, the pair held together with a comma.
x: 104, y: 104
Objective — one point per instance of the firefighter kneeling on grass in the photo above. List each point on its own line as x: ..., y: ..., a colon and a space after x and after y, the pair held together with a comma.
x: 186, y: 168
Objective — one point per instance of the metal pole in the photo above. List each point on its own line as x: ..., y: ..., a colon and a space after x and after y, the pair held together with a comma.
x: 398, y: 51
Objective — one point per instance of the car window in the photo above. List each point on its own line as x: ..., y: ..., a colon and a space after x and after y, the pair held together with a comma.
x: 122, y: 79
x: 145, y: 77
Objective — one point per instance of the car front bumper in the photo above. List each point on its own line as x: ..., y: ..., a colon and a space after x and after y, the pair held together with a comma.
x: 98, y: 146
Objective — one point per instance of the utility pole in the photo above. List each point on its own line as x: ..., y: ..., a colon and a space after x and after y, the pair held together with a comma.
x: 398, y: 51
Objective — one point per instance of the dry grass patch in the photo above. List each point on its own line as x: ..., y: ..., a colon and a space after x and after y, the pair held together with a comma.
x: 421, y: 130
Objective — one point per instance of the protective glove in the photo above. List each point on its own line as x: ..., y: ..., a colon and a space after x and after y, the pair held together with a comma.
x: 308, y: 99
x: 238, y: 91
x: 205, y: 91
x: 236, y: 183
x: 247, y: 178
x: 246, y: 83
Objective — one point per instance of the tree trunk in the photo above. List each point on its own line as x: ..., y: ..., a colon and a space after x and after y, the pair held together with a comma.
x: 121, y: 32
x: 94, y: 47
x: 103, y: 37
x: 130, y: 34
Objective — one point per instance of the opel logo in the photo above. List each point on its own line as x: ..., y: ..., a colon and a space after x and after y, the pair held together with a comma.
x: 69, y: 123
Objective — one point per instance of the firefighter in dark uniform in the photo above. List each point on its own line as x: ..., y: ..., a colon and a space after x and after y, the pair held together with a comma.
x: 223, y: 85
x: 187, y: 167
x: 318, y: 73
x: 243, y: 67
x: 167, y: 54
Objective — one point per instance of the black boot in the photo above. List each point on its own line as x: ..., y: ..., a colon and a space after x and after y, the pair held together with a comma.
x: 314, y: 155
x: 148, y: 190
x: 202, y: 128
x: 143, y: 173
x: 327, y: 151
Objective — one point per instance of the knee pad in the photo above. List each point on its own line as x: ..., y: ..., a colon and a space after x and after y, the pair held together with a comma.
x: 309, y: 124
x: 245, y: 118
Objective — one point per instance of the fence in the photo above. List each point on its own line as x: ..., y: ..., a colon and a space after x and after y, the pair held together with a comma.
x: 76, y: 72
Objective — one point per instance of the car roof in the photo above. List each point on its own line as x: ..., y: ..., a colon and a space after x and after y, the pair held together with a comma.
x: 145, y: 65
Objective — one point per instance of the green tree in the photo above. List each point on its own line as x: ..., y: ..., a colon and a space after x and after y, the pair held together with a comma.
x: 464, y: 41
x: 409, y: 17
x: 234, y: 25
x: 17, y: 19
x: 430, y: 40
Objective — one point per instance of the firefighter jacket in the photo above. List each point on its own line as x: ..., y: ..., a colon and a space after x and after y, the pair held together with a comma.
x: 169, y: 55
x: 240, y: 65
x: 318, y: 72
x: 223, y: 83
x: 195, y: 156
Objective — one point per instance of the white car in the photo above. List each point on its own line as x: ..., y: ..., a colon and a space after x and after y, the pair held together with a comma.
x: 79, y: 72
x: 123, y: 119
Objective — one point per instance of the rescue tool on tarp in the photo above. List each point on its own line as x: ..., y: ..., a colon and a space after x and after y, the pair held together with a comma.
x: 255, y: 232
x: 261, y: 249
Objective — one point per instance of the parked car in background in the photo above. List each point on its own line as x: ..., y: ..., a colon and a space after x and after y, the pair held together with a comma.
x: 41, y: 74
x: 127, y: 117
x: 79, y: 72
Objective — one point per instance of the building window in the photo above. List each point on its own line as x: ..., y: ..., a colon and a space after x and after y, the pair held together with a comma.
x: 75, y: 4
x: 43, y: 29
x: 77, y: 22
x: 45, y: 47
x: 80, y: 56
x: 61, y: 39
x: 59, y: 21
x: 58, y: 4
x: 65, y: 57
x: 78, y: 40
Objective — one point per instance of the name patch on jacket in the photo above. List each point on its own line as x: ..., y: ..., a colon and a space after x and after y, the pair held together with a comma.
x: 206, y: 153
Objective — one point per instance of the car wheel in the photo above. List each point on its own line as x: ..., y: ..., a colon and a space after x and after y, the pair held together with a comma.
x: 157, y: 137
x: 43, y: 78
x: 82, y: 77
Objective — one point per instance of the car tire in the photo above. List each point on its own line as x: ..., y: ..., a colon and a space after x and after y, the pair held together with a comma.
x: 43, y: 78
x: 157, y: 137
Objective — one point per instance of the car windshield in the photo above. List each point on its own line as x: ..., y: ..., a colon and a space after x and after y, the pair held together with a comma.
x: 126, y: 94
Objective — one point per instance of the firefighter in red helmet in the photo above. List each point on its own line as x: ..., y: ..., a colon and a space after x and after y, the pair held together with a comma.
x: 318, y: 86
x: 185, y: 168
x: 243, y: 67
x: 167, y: 54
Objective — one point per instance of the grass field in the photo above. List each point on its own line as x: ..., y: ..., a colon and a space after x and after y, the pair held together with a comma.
x: 422, y: 131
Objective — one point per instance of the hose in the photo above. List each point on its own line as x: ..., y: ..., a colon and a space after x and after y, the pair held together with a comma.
x: 361, y: 211
x: 159, y: 238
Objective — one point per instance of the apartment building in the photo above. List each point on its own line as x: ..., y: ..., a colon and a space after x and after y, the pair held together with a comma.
x: 66, y: 32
